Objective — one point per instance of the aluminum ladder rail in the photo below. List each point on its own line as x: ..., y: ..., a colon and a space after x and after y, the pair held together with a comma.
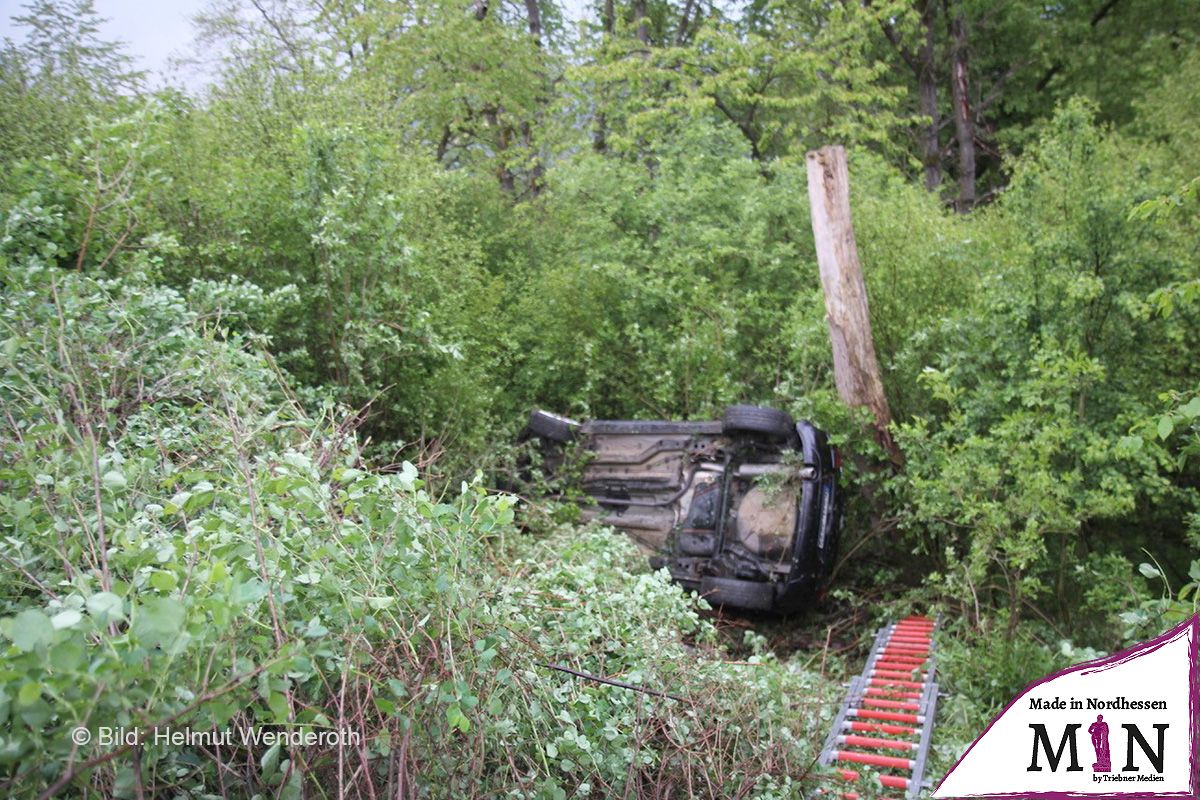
x: 886, y: 719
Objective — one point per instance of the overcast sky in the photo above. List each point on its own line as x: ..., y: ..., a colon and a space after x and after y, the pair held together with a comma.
x: 151, y: 31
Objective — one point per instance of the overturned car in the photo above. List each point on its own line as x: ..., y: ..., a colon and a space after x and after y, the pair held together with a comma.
x: 746, y: 510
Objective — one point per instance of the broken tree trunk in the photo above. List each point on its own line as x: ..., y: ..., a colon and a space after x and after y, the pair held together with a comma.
x: 855, y: 366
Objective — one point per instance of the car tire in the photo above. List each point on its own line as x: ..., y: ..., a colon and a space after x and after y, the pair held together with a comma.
x: 551, y: 426
x: 759, y: 420
x: 748, y: 595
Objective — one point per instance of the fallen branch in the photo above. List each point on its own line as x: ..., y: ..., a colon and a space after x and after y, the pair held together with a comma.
x: 609, y: 682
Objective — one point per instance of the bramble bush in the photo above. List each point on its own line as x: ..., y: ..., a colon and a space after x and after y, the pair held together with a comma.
x: 185, y: 547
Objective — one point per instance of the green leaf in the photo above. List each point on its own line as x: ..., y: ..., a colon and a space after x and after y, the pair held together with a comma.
x: 1149, y: 570
x: 31, y: 630
x: 37, y: 714
x: 67, y: 656
x: 198, y: 501
x: 1130, y: 444
x: 1165, y: 426
x: 106, y: 607
x: 457, y: 718
x: 278, y: 704
x: 113, y: 480
x: 248, y: 592
x: 1192, y: 409
x: 164, y: 581
x: 66, y: 619
x: 270, y: 760
x: 159, y: 620
x: 29, y: 694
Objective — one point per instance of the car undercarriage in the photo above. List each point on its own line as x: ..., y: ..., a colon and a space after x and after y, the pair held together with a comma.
x: 745, y: 510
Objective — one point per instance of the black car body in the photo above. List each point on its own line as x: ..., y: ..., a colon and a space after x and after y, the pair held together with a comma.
x: 746, y: 510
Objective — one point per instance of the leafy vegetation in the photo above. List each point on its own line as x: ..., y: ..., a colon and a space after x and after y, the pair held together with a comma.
x: 266, y: 345
x: 190, y: 550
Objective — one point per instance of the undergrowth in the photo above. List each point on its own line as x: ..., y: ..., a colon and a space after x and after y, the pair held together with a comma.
x: 186, y: 548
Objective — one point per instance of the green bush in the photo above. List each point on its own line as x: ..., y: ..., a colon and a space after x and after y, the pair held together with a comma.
x: 187, y: 549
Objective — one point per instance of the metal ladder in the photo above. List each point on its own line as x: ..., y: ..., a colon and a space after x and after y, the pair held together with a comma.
x: 886, y: 720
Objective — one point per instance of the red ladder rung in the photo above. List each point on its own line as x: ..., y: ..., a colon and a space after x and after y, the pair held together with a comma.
x: 908, y: 654
x: 892, y: 693
x: 886, y: 682
x: 878, y: 727
x: 887, y: 716
x: 875, y: 743
x: 893, y: 663
x: 892, y: 675
x: 891, y: 781
x: 874, y: 760
x: 871, y: 702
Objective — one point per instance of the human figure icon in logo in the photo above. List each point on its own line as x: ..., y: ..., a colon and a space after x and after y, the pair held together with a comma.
x: 1099, y: 732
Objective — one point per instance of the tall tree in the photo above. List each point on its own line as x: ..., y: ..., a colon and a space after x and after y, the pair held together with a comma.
x: 59, y: 74
x: 984, y: 71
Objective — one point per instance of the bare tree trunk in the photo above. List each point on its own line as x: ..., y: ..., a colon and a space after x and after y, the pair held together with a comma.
x: 639, y: 18
x: 964, y: 118
x: 684, y: 22
x: 534, y: 13
x: 855, y: 366
x: 537, y: 172
x: 503, y: 173
x: 608, y: 22
x: 931, y: 151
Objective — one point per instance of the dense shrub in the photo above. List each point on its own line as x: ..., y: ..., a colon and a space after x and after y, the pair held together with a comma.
x: 186, y: 548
